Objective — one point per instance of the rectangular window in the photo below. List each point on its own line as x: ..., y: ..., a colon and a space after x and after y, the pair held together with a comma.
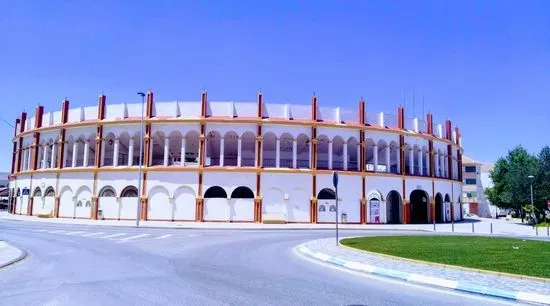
x: 470, y: 169
x: 471, y: 181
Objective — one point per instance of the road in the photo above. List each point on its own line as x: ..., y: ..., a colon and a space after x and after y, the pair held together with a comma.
x: 98, y: 265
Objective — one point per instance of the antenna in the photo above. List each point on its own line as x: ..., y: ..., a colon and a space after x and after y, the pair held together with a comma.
x: 414, y: 114
x: 423, y: 114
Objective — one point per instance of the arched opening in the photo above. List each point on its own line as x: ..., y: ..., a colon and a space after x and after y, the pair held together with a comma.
x: 81, y: 141
x: 419, y: 207
x: 408, y: 160
x: 192, y: 143
x: 394, y: 157
x: 157, y: 149
x: 230, y: 148
x: 425, y: 161
x: 213, y: 143
x: 269, y: 153
x: 108, y: 147
x: 123, y: 149
x: 242, y: 192
x: 338, y: 153
x: 382, y: 160
x: 286, y: 143
x: 107, y: 192
x: 302, y: 151
x: 416, y: 164
x: 353, y: 163
x: 215, y: 192
x: 326, y: 205
x: 438, y: 208
x: 322, y: 152
x: 393, y: 208
x: 91, y: 150
x: 369, y: 154
x: 68, y: 158
x: 108, y: 207
x: 248, y: 150
x: 129, y: 192
x: 49, y: 192
x: 174, y: 148
x: 447, y: 208
x: 37, y: 192
x: 242, y: 205
x: 216, y: 206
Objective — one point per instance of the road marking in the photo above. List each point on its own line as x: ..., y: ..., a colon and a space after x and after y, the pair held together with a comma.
x: 42, y: 230
x: 133, y: 237
x: 191, y: 235
x: 56, y: 232
x: 163, y: 236
x: 113, y: 235
x: 74, y: 233
x: 93, y: 234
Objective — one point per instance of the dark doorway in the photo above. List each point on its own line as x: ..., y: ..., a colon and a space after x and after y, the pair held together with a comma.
x: 419, y: 207
x: 438, y: 208
x: 393, y: 207
x: 242, y: 193
x: 326, y: 194
x: 215, y: 192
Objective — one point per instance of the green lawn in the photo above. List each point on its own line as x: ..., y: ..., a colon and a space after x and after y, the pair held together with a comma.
x: 526, y: 257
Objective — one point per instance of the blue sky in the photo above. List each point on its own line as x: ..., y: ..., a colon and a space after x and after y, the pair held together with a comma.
x: 483, y: 64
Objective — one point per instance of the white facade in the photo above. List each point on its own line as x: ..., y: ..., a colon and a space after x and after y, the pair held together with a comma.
x: 221, y: 162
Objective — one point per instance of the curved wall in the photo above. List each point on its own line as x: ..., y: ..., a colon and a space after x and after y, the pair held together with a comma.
x: 236, y: 162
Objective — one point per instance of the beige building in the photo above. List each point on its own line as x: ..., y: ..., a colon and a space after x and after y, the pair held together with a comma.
x: 476, y: 177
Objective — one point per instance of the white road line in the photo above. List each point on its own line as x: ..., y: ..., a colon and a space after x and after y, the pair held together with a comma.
x: 56, y: 232
x: 133, y: 237
x: 191, y: 235
x: 74, y: 233
x: 93, y: 234
x: 163, y: 236
x: 42, y: 230
x: 113, y: 235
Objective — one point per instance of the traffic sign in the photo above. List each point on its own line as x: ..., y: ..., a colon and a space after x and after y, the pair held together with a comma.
x: 335, y: 179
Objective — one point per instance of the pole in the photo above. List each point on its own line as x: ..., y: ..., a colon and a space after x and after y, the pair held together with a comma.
x: 9, y: 198
x: 140, y: 160
x: 532, y: 205
x: 336, y: 188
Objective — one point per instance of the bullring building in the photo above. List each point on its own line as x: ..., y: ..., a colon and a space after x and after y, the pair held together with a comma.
x: 207, y: 161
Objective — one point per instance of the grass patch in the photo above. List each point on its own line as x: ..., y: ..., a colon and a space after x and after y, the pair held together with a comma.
x: 543, y: 224
x: 509, y: 255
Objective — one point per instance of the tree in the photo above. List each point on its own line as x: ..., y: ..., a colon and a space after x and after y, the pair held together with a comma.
x: 511, y: 187
x: 542, y: 190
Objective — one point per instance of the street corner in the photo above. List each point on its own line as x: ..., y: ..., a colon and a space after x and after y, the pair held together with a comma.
x: 10, y: 254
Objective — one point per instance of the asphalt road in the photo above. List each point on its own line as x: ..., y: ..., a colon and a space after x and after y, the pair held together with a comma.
x: 93, y: 265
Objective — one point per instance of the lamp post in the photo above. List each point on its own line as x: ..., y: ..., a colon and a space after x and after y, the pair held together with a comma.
x: 530, y: 177
x: 140, y: 159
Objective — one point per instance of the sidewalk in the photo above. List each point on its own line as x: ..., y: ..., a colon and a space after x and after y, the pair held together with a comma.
x: 481, y: 226
x: 325, y: 250
x: 10, y: 254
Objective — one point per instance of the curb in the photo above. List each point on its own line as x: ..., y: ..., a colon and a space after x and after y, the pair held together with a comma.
x: 519, y: 296
x: 14, y: 260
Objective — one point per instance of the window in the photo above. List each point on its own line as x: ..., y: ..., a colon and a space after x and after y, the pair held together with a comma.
x: 129, y: 192
x: 471, y: 181
x: 470, y: 169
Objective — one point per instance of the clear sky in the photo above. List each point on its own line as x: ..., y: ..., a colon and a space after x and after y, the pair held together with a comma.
x: 483, y: 64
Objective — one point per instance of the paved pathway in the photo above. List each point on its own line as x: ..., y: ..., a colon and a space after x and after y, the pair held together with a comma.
x: 480, y: 226
x: 328, y: 246
x: 9, y: 254
x: 69, y: 266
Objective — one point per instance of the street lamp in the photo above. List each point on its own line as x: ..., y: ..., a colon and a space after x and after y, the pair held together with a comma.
x: 140, y: 159
x: 530, y: 177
